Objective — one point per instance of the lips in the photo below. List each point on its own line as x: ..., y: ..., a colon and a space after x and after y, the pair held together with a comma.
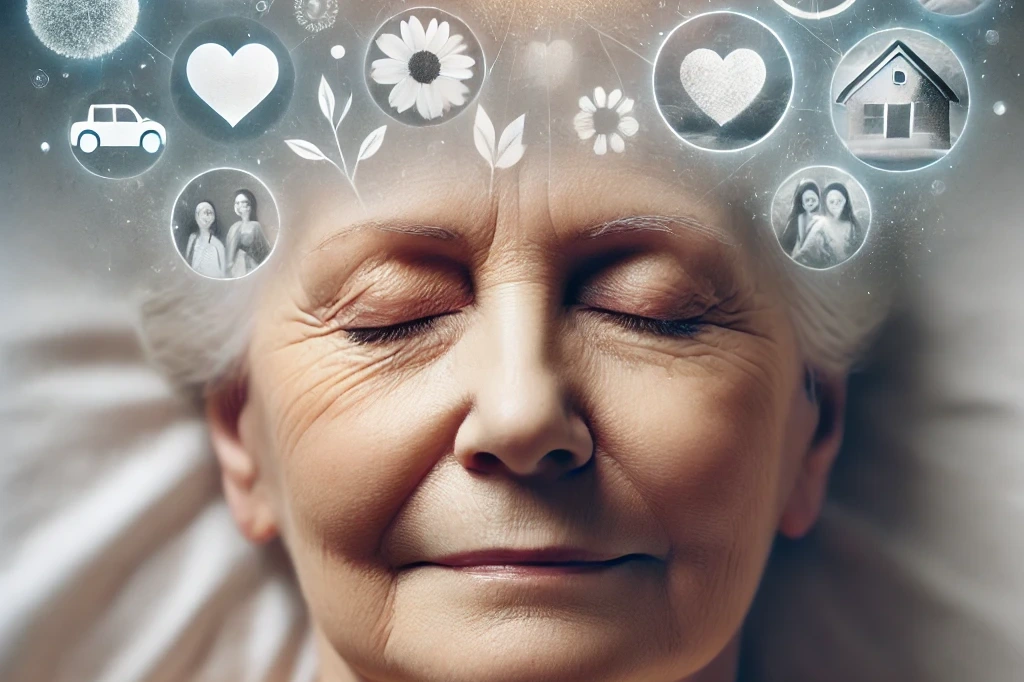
x: 554, y: 557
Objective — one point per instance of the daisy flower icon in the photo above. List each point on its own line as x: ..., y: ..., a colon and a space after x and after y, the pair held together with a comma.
x: 425, y: 66
x: 606, y: 117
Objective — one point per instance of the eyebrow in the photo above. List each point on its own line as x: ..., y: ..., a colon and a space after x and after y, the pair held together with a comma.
x: 626, y: 225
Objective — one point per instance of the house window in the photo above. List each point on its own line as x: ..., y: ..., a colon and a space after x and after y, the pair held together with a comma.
x: 899, y: 77
x: 874, y: 119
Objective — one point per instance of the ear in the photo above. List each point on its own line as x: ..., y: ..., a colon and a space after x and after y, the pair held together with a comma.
x: 229, y: 418
x: 828, y: 397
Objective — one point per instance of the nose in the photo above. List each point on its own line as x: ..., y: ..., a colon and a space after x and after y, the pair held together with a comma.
x: 523, y: 421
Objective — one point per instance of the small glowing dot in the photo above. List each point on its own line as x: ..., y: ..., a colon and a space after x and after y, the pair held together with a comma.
x: 142, y: 65
x: 65, y: 75
x: 338, y: 51
x: 992, y: 37
x: 45, y: 147
x: 999, y: 108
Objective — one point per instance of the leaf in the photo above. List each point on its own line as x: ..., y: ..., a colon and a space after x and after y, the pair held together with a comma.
x: 344, y: 113
x: 306, y: 150
x: 510, y: 147
x: 372, y: 143
x: 326, y: 97
x: 483, y: 135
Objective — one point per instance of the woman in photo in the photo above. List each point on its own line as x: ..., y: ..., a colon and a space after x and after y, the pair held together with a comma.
x: 834, y: 236
x: 806, y: 204
x: 204, y: 252
x: 247, y: 244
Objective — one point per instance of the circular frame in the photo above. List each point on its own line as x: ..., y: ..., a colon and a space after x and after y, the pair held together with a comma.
x: 771, y: 131
x: 832, y: 111
x: 814, y: 16
x: 273, y: 247
x: 803, y: 172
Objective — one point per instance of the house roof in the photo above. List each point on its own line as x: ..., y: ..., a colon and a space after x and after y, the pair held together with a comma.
x: 898, y: 48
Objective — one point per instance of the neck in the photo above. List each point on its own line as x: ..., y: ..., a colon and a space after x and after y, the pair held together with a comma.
x: 723, y: 668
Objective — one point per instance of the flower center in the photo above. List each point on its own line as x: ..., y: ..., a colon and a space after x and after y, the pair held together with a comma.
x: 424, y: 67
x: 606, y: 121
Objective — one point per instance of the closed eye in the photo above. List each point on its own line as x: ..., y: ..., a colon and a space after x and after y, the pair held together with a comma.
x: 686, y: 328
x: 394, y: 332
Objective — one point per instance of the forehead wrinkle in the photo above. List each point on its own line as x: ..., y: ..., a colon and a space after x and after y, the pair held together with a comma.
x: 657, y: 223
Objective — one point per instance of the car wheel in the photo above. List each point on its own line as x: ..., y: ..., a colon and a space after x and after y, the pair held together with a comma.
x: 151, y: 142
x: 88, y: 142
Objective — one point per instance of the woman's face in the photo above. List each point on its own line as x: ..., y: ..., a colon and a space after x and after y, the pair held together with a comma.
x: 836, y: 202
x: 810, y: 201
x: 205, y: 215
x: 447, y: 390
x: 243, y: 207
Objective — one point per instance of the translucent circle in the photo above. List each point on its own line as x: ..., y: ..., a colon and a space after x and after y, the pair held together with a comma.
x: 45, y: 147
x: 245, y: 225
x: 822, y: 9
x: 40, y: 79
x: 338, y: 51
x: 420, y: 98
x: 999, y: 108
x: 992, y: 37
x: 821, y: 216
x: 261, y: 6
x: 900, y: 100
x: 723, y: 81
x: 938, y: 187
x: 951, y: 7
x: 83, y: 29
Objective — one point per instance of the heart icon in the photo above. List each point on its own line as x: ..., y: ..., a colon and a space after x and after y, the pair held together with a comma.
x: 547, y: 64
x: 232, y: 84
x: 723, y: 88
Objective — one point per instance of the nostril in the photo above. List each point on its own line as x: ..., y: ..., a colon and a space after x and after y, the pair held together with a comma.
x: 561, y: 458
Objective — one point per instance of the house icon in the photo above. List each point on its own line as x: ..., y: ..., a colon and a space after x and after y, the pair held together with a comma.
x: 898, y: 109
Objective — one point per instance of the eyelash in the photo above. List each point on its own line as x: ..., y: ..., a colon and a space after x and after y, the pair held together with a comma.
x: 677, y: 329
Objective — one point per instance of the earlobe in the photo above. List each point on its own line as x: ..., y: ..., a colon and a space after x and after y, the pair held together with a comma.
x: 244, y: 490
x: 807, y: 497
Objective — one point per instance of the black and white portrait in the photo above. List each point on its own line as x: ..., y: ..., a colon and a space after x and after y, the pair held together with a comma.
x: 723, y: 81
x: 900, y: 100
x: 821, y: 216
x: 225, y: 223
x: 951, y: 7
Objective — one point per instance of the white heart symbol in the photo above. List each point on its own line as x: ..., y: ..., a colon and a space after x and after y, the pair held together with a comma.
x: 723, y: 88
x: 548, y: 64
x: 232, y: 84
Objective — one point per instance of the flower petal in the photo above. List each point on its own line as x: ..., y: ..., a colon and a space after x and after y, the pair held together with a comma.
x: 601, y: 145
x: 454, y: 45
x: 452, y: 91
x: 440, y: 38
x: 624, y: 107
x: 407, y: 36
x: 587, y: 105
x: 457, y: 61
x: 428, y: 102
x: 628, y: 126
x: 618, y: 144
x: 388, y: 71
x: 458, y: 74
x: 394, y: 47
x: 584, y: 124
x: 431, y: 32
x: 600, y: 99
x: 403, y: 95
x: 614, y: 98
x: 419, y: 37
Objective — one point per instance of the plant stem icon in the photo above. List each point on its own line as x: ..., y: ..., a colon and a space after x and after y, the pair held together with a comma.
x: 371, y: 143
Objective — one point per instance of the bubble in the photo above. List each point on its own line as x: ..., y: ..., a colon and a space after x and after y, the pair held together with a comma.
x: 999, y: 108
x: 338, y: 51
x: 992, y: 37
x: 83, y: 29
x: 938, y: 187
x: 40, y: 79
x: 261, y: 6
x: 45, y: 147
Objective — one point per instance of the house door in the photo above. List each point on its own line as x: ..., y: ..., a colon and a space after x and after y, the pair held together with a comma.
x: 898, y: 123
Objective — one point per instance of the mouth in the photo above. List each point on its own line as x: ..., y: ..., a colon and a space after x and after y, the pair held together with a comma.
x: 514, y: 562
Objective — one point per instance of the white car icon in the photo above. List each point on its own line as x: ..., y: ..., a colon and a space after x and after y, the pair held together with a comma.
x: 117, y: 125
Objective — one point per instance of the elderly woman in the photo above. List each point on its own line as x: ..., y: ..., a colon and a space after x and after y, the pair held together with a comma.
x: 547, y: 431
